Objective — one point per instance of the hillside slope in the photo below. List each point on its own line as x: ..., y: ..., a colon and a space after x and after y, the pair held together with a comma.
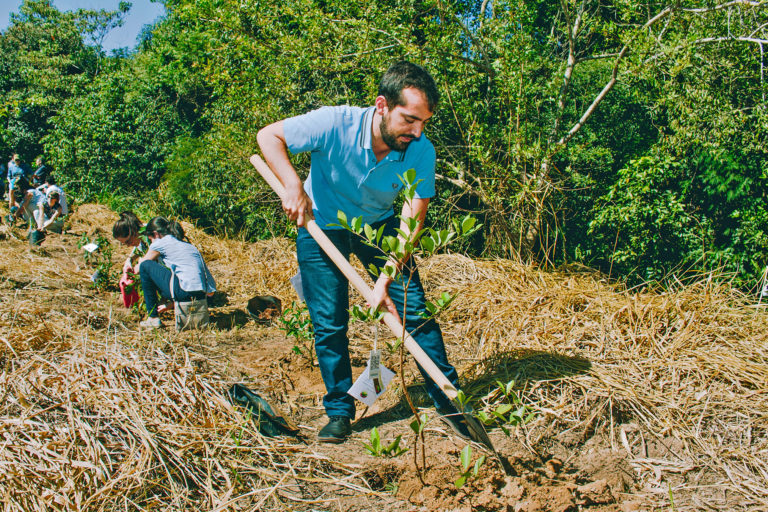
x: 640, y: 401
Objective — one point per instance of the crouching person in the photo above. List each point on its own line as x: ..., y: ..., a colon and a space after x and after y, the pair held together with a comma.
x: 53, y: 217
x: 31, y: 207
x: 184, y: 278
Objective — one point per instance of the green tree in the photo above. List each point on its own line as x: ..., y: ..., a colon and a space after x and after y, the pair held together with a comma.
x: 46, y: 60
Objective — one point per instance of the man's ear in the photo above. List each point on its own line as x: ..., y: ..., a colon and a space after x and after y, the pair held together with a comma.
x: 381, y: 105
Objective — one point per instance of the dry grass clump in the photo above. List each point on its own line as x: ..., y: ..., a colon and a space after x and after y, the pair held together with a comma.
x: 678, y: 380
x: 95, y: 415
x: 92, y: 219
x: 101, y: 427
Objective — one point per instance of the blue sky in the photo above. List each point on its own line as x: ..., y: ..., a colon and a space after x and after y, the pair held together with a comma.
x: 141, y: 13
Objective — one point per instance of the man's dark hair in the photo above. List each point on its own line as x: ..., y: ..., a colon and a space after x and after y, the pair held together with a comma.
x: 403, y: 74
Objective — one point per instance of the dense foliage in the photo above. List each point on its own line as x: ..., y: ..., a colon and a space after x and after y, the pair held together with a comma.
x: 625, y: 135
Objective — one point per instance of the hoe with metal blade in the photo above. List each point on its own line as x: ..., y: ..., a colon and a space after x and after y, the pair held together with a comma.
x: 476, y: 429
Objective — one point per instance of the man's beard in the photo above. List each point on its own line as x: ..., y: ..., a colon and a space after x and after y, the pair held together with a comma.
x: 390, y: 139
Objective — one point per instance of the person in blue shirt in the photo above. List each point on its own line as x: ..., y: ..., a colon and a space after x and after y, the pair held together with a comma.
x: 14, y: 166
x: 14, y: 173
x: 357, y: 158
x: 182, y: 261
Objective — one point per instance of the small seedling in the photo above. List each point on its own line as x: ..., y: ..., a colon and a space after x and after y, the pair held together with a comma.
x: 368, y: 314
x: 295, y: 322
x: 391, y: 487
x: 510, y: 412
x: 463, y: 399
x: 468, y: 470
x: 418, y: 424
x: 377, y: 449
x: 400, y: 252
x: 100, y: 260
x: 437, y: 307
x: 237, y: 436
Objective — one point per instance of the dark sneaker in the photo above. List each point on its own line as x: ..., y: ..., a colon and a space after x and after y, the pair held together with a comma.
x: 336, y: 431
x: 452, y: 418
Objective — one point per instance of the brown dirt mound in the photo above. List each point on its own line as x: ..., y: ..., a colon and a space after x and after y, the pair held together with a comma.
x: 640, y: 400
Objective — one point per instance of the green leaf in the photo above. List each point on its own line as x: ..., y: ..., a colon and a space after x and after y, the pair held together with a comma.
x: 402, y: 233
x: 428, y: 244
x: 357, y: 224
x: 369, y: 232
x: 389, y: 243
x: 467, y: 224
x: 466, y: 457
x: 479, y: 462
x: 342, y: 219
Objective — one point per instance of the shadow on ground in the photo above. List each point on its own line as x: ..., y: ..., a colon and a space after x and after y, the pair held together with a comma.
x: 226, y: 320
x: 522, y: 366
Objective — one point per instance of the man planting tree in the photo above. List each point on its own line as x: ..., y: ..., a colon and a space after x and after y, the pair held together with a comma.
x: 357, y: 158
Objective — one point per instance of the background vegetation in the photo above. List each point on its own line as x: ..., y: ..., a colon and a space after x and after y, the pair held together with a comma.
x: 629, y: 136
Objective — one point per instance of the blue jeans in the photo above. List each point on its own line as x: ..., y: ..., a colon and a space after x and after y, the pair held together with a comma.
x: 156, y: 278
x: 326, y: 291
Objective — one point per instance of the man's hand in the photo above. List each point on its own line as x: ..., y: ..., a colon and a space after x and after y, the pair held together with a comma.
x: 381, y: 296
x: 297, y: 205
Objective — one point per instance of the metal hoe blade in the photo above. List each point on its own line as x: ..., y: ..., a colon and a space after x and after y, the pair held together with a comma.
x: 478, y: 434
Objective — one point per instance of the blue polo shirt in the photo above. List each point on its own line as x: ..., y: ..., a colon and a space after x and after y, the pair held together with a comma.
x: 344, y: 174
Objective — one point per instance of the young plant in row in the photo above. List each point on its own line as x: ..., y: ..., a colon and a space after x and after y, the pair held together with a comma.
x: 468, y: 470
x: 378, y: 449
x: 508, y: 411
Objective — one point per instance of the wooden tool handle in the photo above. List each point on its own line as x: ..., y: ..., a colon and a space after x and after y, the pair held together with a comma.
x: 360, y: 285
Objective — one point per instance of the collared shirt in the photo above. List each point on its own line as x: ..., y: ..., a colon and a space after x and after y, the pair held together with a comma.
x: 14, y: 170
x: 35, y: 201
x: 185, y: 261
x: 40, y: 175
x: 344, y: 174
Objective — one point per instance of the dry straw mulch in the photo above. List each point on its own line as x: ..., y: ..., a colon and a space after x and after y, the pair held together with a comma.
x: 676, y: 379
x: 95, y: 416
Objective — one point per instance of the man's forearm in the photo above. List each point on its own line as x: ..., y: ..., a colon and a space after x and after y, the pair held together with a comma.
x: 275, y: 150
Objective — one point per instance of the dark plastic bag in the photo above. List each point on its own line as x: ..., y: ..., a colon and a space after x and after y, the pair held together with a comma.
x: 263, y: 308
x: 267, y: 420
x: 36, y: 237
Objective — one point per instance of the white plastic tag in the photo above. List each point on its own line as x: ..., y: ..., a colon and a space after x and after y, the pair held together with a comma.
x: 298, y: 286
x: 374, y: 360
x: 364, y: 388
